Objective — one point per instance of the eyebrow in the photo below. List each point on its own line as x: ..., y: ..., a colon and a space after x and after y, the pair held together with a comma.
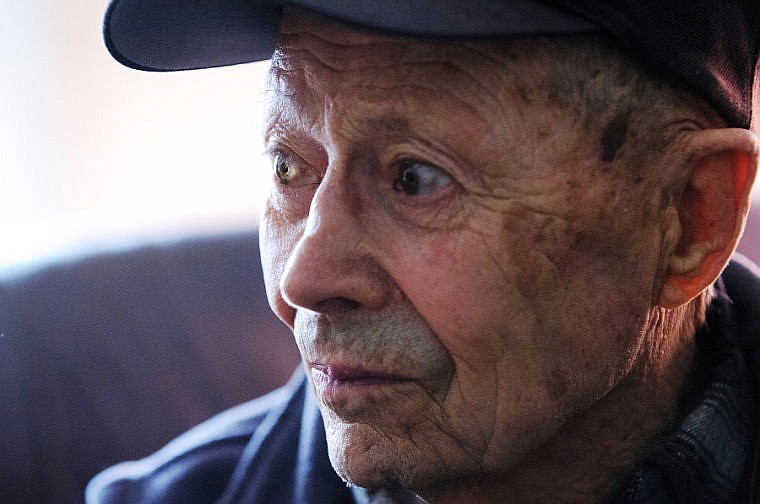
x: 384, y: 125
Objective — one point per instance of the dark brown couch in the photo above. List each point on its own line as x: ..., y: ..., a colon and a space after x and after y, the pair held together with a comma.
x: 109, y: 357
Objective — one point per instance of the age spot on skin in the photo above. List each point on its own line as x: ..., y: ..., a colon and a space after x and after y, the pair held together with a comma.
x: 613, y: 137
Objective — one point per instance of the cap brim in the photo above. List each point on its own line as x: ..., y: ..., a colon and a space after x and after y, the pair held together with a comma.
x: 168, y: 35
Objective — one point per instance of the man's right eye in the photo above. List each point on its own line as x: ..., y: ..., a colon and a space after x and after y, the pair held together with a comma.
x: 286, y: 168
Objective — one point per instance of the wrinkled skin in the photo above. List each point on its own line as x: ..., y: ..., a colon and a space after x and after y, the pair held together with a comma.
x: 501, y: 298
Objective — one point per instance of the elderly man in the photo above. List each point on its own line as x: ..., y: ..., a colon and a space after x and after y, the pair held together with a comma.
x: 498, y: 231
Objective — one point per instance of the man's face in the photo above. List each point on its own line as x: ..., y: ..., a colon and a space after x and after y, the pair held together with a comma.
x: 462, y: 274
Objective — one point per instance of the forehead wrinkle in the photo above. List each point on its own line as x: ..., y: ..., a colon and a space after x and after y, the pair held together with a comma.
x: 343, y: 57
x: 464, y: 70
x: 339, y: 48
x: 361, y: 67
x: 382, y: 125
x: 289, y: 97
x: 288, y: 124
x: 342, y: 46
x: 459, y: 130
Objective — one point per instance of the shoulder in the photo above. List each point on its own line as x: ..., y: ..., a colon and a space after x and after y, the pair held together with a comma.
x: 196, y: 466
x: 743, y: 277
x: 741, y: 280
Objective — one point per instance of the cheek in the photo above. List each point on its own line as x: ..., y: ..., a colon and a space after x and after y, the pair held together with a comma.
x: 505, y: 392
x: 534, y: 313
x: 277, y: 238
x: 464, y: 293
x: 466, y: 298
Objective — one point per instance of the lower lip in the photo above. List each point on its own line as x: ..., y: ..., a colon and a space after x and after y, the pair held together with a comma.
x: 340, y: 391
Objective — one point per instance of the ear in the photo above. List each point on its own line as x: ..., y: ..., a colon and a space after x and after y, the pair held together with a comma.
x: 711, y: 212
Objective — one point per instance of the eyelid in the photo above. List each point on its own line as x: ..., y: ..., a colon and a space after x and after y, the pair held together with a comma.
x: 305, y: 174
x: 305, y: 151
x: 409, y: 162
x: 427, y: 153
x: 275, y: 149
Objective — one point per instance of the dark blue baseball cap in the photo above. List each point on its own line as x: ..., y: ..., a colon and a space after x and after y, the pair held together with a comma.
x: 710, y: 46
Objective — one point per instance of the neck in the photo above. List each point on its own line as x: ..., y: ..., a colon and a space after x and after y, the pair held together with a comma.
x: 583, y: 460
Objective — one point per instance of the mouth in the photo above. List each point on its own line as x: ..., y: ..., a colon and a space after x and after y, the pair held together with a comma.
x: 351, y: 388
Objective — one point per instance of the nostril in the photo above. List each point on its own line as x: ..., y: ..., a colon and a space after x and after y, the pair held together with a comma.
x: 337, y: 304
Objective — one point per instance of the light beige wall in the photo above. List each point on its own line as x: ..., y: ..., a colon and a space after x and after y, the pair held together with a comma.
x: 90, y: 150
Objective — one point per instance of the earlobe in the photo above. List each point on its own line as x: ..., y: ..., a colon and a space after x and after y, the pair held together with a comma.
x: 711, y: 212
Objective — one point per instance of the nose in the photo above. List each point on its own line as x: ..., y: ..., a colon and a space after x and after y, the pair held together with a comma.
x: 334, y: 265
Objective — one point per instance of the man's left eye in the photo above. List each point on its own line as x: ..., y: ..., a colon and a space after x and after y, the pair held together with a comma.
x: 420, y: 179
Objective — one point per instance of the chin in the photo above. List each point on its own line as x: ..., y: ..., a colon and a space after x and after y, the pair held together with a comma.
x: 362, y: 455
x: 365, y: 456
